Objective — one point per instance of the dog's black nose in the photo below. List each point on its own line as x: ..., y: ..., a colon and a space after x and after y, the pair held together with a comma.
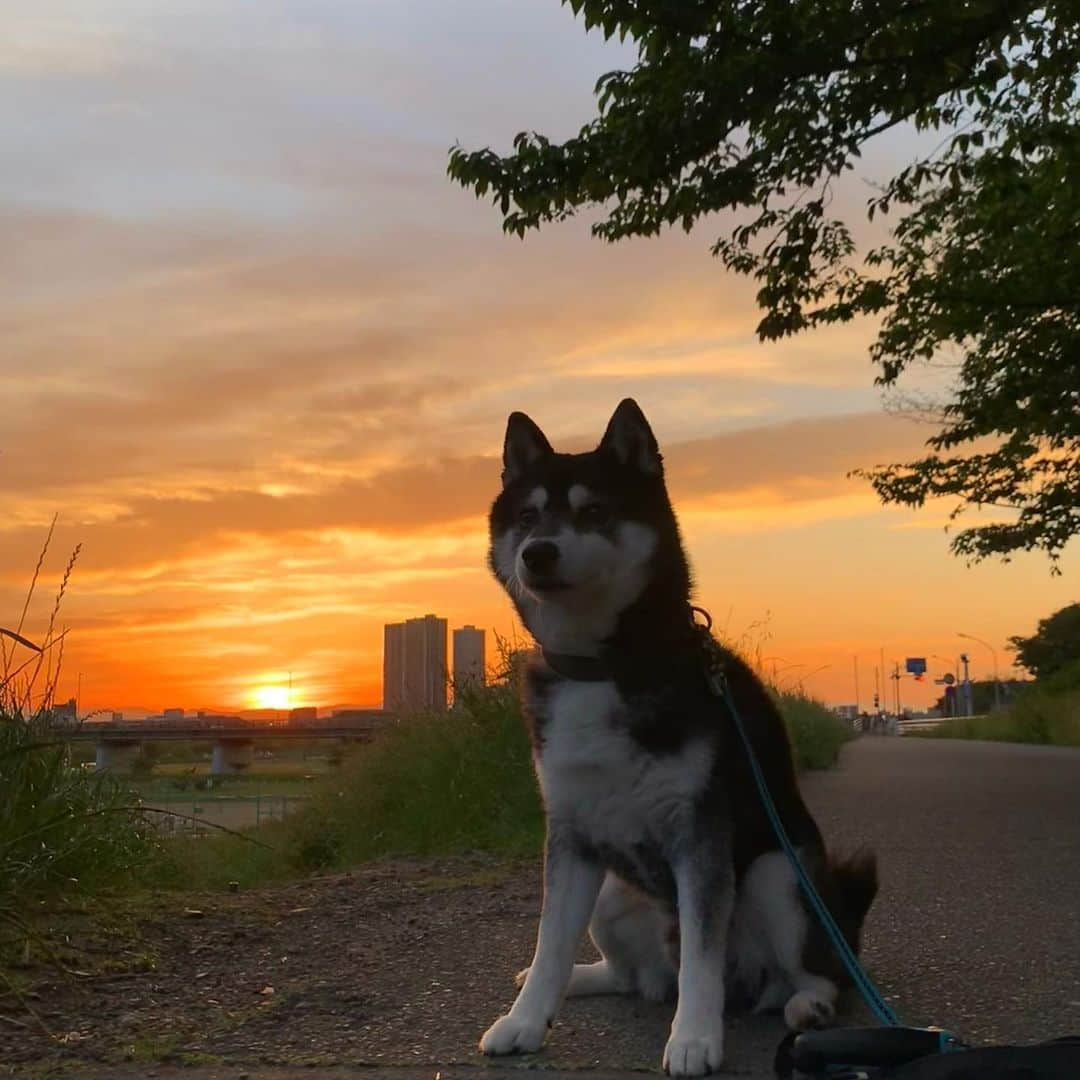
x: 540, y: 556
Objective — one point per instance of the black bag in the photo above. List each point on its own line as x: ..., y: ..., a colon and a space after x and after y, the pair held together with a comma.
x: 917, y: 1054
x: 1056, y: 1060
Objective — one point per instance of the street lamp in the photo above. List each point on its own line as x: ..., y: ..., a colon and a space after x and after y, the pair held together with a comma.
x: 993, y: 653
x: 954, y: 663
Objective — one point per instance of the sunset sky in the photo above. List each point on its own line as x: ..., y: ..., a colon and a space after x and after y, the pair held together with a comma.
x: 257, y: 352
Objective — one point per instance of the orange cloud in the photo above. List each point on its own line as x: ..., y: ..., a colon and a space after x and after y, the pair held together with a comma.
x: 196, y: 598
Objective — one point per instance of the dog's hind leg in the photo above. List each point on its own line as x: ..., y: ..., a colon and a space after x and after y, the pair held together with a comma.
x: 771, y: 887
x: 629, y: 930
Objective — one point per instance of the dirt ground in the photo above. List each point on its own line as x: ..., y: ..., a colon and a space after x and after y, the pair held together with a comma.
x: 335, y: 968
x: 400, y: 963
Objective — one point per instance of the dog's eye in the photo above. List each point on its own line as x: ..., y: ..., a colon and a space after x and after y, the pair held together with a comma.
x: 594, y: 515
x: 528, y: 517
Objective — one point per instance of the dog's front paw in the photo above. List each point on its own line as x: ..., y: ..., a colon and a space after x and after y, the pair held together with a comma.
x: 513, y: 1035
x: 690, y: 1054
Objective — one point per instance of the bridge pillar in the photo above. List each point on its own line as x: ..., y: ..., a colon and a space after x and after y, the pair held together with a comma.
x: 116, y: 755
x: 231, y: 756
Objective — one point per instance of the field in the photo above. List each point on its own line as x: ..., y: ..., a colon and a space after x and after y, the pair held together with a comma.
x: 278, y: 784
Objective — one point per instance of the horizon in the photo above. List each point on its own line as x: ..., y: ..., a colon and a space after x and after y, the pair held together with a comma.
x: 260, y: 353
x: 282, y: 692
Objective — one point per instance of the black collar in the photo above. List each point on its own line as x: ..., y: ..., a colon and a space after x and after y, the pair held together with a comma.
x: 599, y: 669
x: 579, y: 668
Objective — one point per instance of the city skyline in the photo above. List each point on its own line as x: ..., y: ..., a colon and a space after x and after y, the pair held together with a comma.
x: 876, y: 687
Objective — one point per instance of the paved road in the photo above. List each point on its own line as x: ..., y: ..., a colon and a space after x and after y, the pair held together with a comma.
x: 976, y: 928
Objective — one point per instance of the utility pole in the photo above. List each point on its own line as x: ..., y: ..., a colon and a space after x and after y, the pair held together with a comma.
x: 896, y: 679
x: 968, y: 710
x: 856, y: 659
x: 993, y: 653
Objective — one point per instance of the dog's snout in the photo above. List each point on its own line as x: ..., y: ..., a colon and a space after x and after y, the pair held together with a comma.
x: 540, y: 556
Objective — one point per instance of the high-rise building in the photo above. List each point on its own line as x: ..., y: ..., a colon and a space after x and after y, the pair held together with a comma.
x: 394, y: 667
x: 468, y: 657
x: 414, y: 665
x: 426, y: 670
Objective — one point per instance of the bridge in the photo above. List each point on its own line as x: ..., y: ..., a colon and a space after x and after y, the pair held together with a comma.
x: 118, y: 745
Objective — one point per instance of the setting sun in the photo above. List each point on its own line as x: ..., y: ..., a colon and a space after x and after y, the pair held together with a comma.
x: 271, y: 697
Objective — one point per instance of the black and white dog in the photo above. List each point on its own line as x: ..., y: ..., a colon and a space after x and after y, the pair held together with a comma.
x: 655, y: 830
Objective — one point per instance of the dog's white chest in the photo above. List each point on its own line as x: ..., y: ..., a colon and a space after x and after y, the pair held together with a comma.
x: 595, y: 776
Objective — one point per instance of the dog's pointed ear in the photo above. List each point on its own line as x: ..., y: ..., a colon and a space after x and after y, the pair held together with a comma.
x: 631, y: 440
x: 525, y: 444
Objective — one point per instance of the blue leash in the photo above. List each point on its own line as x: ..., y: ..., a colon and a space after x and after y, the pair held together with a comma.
x: 825, y: 1053
x: 838, y: 1053
x: 865, y: 985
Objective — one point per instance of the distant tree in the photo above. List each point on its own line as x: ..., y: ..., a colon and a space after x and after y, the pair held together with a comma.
x: 757, y: 106
x: 1064, y: 680
x: 1055, y: 644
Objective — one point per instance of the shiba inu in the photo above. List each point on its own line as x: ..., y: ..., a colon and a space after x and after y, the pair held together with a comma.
x: 656, y: 836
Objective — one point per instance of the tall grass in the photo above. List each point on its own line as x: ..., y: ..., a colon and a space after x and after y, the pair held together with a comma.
x: 817, y: 734
x: 431, y: 785
x: 1034, y: 717
x: 63, y: 831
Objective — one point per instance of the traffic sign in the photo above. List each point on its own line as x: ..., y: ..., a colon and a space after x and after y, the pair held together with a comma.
x: 948, y: 678
x: 915, y: 665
